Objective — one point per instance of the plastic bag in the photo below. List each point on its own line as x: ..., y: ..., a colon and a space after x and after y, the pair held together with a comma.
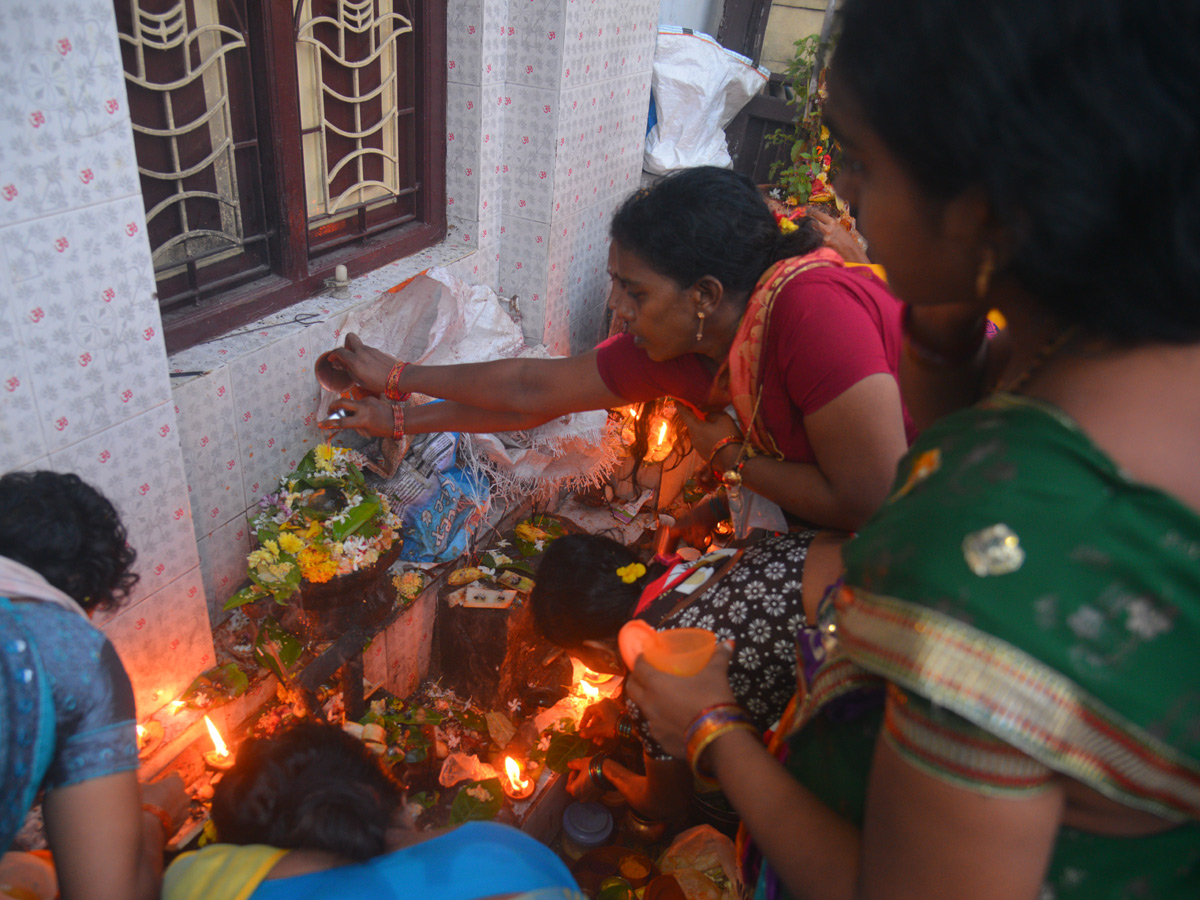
x: 706, y: 851
x: 698, y: 87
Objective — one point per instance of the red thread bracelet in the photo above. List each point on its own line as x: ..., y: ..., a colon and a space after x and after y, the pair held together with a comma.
x: 397, y: 422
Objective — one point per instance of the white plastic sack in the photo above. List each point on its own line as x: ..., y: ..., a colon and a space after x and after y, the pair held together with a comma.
x: 699, y: 86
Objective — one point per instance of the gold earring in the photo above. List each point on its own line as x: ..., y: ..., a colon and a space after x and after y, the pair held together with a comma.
x: 983, y: 278
x: 700, y: 330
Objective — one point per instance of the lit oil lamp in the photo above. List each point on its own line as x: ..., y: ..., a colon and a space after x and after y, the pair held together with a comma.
x: 219, y: 758
x: 595, y: 677
x: 175, y: 706
x: 516, y: 786
x: 660, y: 448
x: 149, y: 736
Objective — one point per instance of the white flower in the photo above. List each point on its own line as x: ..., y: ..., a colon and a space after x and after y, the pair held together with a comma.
x: 514, y: 705
x: 774, y: 570
x: 1086, y: 622
x: 503, y: 543
x: 1146, y: 620
x: 774, y: 605
x: 749, y: 658
x: 738, y: 611
x: 796, y: 622
x: 739, y: 683
x: 759, y: 630
x: 544, y: 743
x: 755, y: 590
x: 785, y: 650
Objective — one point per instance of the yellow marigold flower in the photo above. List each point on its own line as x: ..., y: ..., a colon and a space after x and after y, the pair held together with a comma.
x: 259, y: 558
x: 272, y: 548
x: 319, y: 574
x: 290, y: 543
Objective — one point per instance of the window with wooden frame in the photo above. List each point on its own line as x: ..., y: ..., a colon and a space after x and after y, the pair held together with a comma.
x: 277, y: 139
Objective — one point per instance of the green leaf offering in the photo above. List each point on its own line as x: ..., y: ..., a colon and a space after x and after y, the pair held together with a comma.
x: 477, y: 801
x: 216, y: 686
x: 564, y: 747
x: 276, y: 649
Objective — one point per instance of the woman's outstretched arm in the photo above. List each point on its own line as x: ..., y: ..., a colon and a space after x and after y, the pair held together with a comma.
x: 546, y: 387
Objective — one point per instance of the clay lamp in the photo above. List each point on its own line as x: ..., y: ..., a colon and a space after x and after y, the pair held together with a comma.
x: 219, y: 758
x: 149, y: 736
x: 516, y: 786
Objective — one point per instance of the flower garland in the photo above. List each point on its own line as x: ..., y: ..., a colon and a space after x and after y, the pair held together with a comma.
x: 324, y: 521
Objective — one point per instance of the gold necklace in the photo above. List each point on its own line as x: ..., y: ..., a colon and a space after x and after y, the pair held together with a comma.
x: 1043, y: 355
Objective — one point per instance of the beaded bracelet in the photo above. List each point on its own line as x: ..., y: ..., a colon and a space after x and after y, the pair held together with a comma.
x: 392, y: 390
x: 928, y: 356
x: 596, y: 774
x: 625, y: 727
x: 163, y: 817
x: 397, y: 422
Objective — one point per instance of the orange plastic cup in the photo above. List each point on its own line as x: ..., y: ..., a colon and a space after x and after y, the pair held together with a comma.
x: 681, y: 651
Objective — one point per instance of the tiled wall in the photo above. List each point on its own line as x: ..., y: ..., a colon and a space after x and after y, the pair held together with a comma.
x: 547, y: 108
x: 547, y: 112
x: 82, y: 364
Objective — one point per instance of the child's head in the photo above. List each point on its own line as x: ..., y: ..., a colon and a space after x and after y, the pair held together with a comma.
x: 313, y: 787
x: 580, y: 601
x: 68, y: 532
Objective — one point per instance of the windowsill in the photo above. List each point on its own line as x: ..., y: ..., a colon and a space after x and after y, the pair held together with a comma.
x: 204, y: 357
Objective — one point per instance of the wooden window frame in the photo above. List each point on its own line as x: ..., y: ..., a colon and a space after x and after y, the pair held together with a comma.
x: 295, y: 276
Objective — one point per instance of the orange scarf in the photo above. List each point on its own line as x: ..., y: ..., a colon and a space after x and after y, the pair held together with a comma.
x: 746, y: 363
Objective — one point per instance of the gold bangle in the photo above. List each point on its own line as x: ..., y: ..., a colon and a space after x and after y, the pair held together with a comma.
x: 721, y: 445
x: 705, y: 777
x: 163, y: 817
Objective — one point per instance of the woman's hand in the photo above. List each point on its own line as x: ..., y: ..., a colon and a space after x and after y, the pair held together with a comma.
x: 370, y: 417
x: 846, y: 243
x: 366, y: 365
x: 168, y: 795
x: 671, y: 703
x: 706, y: 432
x: 579, y: 782
x: 599, y: 721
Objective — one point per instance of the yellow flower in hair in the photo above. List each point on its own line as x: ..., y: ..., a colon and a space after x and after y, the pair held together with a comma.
x: 631, y: 573
x: 787, y: 226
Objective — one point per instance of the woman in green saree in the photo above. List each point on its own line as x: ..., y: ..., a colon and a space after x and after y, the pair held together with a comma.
x: 1027, y: 601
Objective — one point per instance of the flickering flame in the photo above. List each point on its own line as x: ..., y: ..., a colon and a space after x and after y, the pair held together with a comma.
x: 588, y: 691
x: 175, y: 706
x: 141, y: 732
x: 518, y: 781
x: 662, y: 434
x: 218, y: 741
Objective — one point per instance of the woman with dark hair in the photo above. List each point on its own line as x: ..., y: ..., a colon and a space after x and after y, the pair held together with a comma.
x: 588, y: 586
x: 313, y: 813
x: 718, y: 309
x: 66, y: 704
x: 1028, y: 598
